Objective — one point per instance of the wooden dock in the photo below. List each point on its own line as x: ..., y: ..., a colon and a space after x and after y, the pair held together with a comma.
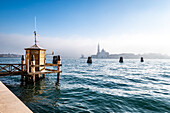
x: 20, y: 69
x: 9, y: 103
x: 34, y: 66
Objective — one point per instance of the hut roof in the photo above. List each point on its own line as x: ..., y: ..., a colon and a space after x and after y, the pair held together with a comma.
x: 35, y: 47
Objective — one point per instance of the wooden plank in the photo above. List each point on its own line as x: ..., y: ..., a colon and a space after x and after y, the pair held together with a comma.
x: 48, y: 64
x: 42, y: 69
x: 9, y: 103
x: 50, y: 70
x: 12, y: 64
x: 16, y: 68
x: 4, y: 68
x: 44, y: 72
x: 11, y: 73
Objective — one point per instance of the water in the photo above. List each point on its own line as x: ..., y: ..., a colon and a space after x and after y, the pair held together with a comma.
x: 104, y: 86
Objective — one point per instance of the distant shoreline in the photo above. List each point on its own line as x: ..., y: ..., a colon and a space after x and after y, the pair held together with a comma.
x: 132, y: 56
x: 10, y: 56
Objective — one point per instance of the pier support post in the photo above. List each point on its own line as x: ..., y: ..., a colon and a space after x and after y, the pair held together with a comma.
x: 58, y: 68
x: 43, y: 75
x: 22, y: 67
x: 33, y: 68
x: 38, y: 76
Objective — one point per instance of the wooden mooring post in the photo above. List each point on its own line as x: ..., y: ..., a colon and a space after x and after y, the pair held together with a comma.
x: 33, y: 68
x: 141, y: 59
x: 57, y: 60
x: 58, y: 67
x: 121, y: 60
x: 89, y: 60
x: 22, y: 67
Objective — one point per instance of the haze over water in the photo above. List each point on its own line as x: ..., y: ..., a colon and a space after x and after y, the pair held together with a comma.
x: 103, y: 86
x: 74, y: 27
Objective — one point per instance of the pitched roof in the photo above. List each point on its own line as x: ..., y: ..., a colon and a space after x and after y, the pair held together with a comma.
x: 36, y: 47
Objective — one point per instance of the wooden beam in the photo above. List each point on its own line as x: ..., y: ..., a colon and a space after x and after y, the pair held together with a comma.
x: 50, y: 70
x: 44, y: 72
x: 12, y: 64
x: 16, y: 68
x: 11, y: 73
x: 48, y: 64
x: 4, y: 68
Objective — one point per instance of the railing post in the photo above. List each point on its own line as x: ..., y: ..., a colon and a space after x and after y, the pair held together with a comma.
x: 33, y: 68
x: 22, y: 67
x: 28, y: 66
x: 58, y: 67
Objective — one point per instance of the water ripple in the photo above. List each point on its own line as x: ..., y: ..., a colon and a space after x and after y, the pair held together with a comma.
x: 104, y: 86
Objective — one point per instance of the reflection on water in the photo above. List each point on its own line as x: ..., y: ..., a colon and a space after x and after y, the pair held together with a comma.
x: 40, y: 93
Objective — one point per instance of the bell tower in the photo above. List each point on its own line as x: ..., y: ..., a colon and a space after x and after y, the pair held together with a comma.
x: 98, y: 49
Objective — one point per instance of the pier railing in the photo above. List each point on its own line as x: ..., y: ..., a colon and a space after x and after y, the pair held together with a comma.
x: 18, y: 69
x: 46, y: 70
x: 12, y: 69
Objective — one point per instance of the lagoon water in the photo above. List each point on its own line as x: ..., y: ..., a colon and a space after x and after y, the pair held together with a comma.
x: 104, y: 86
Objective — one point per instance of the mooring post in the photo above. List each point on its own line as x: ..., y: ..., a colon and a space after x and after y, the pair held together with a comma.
x: 22, y: 67
x: 141, y: 59
x: 33, y: 68
x: 27, y: 70
x: 55, y: 59
x: 89, y: 60
x: 121, y: 60
x: 58, y: 68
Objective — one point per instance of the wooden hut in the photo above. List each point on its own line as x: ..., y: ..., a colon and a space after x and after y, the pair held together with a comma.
x: 34, y: 62
x: 39, y: 55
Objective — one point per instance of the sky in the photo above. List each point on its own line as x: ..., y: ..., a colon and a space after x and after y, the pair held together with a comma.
x: 74, y: 27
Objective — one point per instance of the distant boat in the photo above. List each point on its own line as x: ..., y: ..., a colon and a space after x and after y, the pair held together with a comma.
x: 82, y: 57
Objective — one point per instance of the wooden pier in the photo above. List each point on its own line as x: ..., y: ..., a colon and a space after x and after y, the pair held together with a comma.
x: 33, y: 66
x: 20, y: 69
x: 11, y: 69
x: 9, y: 103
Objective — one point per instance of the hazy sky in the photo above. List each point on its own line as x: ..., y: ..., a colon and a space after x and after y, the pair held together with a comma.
x: 75, y: 27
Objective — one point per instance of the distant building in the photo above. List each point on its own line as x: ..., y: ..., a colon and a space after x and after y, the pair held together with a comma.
x: 9, y: 55
x: 102, y: 54
x: 105, y: 55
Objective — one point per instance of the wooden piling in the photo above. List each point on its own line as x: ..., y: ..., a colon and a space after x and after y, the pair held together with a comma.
x: 89, y: 60
x: 141, y: 60
x: 44, y: 75
x: 121, y: 60
x: 22, y: 67
x: 27, y: 66
x: 55, y: 59
x: 58, y: 68
x: 33, y: 68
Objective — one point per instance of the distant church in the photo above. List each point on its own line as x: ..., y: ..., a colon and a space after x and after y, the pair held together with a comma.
x: 103, y: 54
